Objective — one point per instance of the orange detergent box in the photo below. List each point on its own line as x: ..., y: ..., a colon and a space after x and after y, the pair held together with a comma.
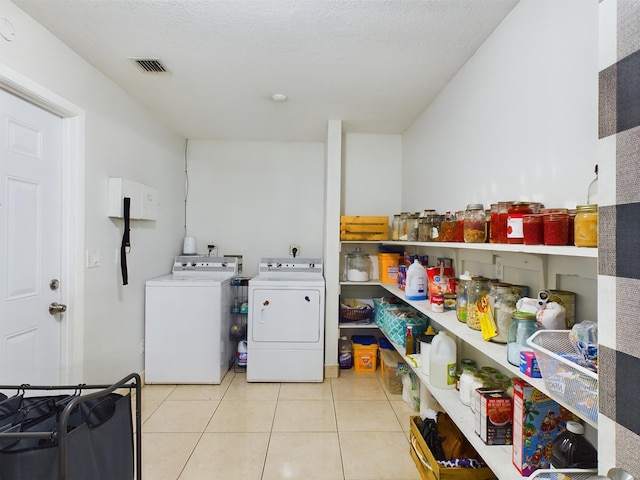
x: 537, y: 421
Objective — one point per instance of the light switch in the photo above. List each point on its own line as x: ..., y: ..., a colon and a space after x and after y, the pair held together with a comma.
x: 93, y: 258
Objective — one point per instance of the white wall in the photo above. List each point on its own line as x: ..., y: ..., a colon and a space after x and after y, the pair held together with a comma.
x: 518, y: 122
x: 372, y: 174
x: 122, y: 140
x: 256, y: 198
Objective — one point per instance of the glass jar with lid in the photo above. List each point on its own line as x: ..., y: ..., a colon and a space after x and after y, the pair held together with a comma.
x: 358, y: 266
x: 413, y: 222
x: 459, y: 235
x: 515, y: 232
x: 503, y: 305
x: 500, y: 226
x: 586, y: 226
x: 477, y: 301
x: 475, y: 227
x: 448, y: 228
x: 395, y: 227
x: 523, y: 325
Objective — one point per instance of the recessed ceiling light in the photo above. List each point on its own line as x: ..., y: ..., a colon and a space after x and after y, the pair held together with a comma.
x: 279, y: 98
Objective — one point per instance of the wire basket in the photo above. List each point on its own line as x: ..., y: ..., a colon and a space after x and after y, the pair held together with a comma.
x: 572, y: 473
x: 362, y: 313
x: 575, y: 385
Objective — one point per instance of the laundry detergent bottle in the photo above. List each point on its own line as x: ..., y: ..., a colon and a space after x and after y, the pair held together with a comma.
x: 442, y: 361
x: 416, y: 287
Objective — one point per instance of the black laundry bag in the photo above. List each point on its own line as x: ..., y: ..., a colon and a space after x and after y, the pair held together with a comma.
x: 95, y: 435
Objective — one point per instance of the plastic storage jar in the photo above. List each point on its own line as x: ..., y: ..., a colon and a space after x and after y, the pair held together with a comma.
x: 475, y: 224
x: 466, y: 384
x: 514, y: 221
x: 523, y: 325
x: 586, y: 226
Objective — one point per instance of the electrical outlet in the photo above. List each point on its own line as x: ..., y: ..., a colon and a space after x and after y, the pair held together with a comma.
x: 499, y: 268
x: 293, y: 247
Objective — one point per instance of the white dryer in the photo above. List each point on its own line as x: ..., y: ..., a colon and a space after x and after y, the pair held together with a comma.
x: 285, y: 334
x: 188, y: 322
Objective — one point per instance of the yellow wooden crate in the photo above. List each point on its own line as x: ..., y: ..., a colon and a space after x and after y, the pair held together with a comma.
x: 364, y: 228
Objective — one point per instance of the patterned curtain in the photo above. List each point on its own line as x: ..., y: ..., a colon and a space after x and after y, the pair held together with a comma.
x: 619, y: 235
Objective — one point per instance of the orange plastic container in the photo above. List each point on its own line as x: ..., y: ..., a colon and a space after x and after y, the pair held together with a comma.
x: 388, y: 267
x: 365, y: 353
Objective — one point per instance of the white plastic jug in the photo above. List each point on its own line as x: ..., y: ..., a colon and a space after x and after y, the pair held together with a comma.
x: 442, y: 361
x: 416, y: 287
x: 242, y: 353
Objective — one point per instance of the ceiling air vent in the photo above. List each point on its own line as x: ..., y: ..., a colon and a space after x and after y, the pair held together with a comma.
x: 150, y: 65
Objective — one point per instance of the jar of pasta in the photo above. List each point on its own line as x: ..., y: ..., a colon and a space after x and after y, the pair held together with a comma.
x: 586, y: 226
x: 475, y: 228
x: 477, y: 301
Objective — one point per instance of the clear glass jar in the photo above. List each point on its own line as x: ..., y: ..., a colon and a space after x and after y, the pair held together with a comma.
x: 514, y: 221
x: 523, y: 325
x: 403, y: 226
x: 477, y: 301
x: 412, y: 227
x: 533, y: 229
x: 459, y: 236
x: 358, y: 266
x: 586, y: 226
x: 504, y: 304
x: 448, y: 228
x: 462, y: 292
x: 493, y: 221
x: 500, y: 225
x: 424, y: 230
x: 475, y: 228
x: 395, y: 227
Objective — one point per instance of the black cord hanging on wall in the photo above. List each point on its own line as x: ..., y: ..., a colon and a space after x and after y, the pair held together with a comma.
x: 126, y: 242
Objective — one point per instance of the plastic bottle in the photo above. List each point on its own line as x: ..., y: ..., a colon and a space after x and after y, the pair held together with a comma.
x: 416, y: 287
x: 242, y: 353
x: 442, y: 361
x: 571, y: 449
x: 592, y: 194
x: 345, y: 353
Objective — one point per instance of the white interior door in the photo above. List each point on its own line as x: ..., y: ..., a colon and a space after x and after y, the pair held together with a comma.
x: 30, y: 243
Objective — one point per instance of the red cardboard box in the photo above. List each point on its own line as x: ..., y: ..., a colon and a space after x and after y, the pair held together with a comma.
x: 537, y: 421
x: 494, y: 416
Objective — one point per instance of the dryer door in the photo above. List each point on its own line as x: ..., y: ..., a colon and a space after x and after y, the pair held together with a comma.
x: 285, y: 315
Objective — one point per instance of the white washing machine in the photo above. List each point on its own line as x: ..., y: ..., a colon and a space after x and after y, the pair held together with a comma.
x: 285, y: 337
x: 188, y: 322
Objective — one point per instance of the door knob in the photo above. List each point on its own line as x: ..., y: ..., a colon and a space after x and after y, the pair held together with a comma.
x: 57, y: 308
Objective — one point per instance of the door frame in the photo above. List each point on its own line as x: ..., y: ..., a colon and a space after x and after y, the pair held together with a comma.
x: 72, y: 228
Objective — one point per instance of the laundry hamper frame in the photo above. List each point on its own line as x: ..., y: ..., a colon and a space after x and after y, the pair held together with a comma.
x: 60, y: 433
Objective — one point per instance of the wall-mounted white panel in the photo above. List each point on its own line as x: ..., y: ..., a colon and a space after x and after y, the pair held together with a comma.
x: 144, y: 199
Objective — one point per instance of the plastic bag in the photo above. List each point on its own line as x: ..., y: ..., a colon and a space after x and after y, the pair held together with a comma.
x: 584, y: 338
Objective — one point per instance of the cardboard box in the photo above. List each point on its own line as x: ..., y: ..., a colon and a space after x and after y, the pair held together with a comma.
x: 537, y: 421
x: 428, y: 466
x: 494, y: 416
x: 529, y: 364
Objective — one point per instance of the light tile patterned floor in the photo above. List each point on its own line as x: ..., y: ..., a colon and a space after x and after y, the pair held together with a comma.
x: 347, y: 428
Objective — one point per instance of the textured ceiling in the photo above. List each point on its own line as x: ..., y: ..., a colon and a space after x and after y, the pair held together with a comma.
x: 374, y: 64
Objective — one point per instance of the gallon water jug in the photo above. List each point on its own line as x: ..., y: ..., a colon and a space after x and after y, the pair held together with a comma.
x: 571, y: 449
x: 345, y: 353
x: 242, y: 353
x: 442, y: 361
x: 416, y: 287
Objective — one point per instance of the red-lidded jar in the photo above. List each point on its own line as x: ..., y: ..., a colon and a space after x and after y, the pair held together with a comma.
x: 556, y: 228
x: 532, y: 229
x: 514, y: 221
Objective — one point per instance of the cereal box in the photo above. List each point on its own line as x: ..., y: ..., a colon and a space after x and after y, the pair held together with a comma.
x: 537, y: 421
x: 494, y: 416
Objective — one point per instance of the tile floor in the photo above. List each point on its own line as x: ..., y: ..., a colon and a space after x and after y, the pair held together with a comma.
x: 346, y: 428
